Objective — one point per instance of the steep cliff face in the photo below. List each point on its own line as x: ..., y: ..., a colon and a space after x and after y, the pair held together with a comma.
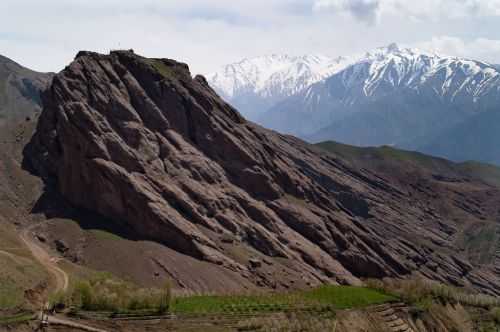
x: 140, y: 141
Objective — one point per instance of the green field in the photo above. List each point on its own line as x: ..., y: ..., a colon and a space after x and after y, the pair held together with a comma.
x: 322, y: 298
x: 101, y: 292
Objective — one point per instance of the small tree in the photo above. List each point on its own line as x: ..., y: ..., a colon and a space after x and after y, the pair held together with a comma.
x: 165, y: 298
x: 83, y: 292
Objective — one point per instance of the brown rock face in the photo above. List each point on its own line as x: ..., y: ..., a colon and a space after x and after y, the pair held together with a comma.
x: 140, y: 141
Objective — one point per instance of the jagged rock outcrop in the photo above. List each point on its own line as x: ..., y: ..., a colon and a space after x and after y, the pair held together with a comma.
x: 140, y: 141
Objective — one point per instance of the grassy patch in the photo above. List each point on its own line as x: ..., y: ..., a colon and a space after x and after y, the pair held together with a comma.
x: 347, y: 297
x: 166, y: 70
x: 16, y: 276
x: 488, y: 173
x: 19, y: 271
x: 220, y: 304
x: 384, y: 153
x: 16, y: 319
x: 480, y: 242
x: 10, y: 293
x: 161, y: 68
x: 320, y: 299
x: 104, y: 235
x: 10, y: 242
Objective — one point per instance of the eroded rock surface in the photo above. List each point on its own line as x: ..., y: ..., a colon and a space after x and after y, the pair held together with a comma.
x: 140, y: 141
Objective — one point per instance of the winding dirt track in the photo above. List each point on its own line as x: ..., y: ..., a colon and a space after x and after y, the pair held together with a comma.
x: 67, y: 323
x: 60, y: 277
x: 10, y: 255
x: 50, y: 263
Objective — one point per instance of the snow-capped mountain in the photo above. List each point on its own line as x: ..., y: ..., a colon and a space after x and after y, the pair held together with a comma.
x: 392, y: 95
x: 450, y: 78
x: 254, y: 85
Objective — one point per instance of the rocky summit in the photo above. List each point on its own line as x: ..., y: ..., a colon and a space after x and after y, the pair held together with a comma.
x: 142, y: 143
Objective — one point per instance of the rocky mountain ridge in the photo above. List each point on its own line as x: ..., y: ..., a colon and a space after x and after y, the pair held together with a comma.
x: 141, y: 142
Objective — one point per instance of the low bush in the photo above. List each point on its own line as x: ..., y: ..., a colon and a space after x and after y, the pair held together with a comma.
x: 110, y: 295
x: 420, y: 292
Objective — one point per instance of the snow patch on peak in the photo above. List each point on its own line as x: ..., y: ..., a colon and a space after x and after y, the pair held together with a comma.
x: 411, y: 68
x: 254, y: 85
x: 275, y: 75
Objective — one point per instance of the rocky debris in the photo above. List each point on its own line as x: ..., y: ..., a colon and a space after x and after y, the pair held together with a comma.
x: 255, y: 263
x: 41, y: 238
x: 393, y: 316
x: 61, y: 246
x: 140, y: 141
x: 35, y: 296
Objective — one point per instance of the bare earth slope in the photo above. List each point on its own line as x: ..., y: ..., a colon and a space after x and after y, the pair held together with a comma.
x: 19, y: 105
x: 19, y: 90
x: 139, y: 141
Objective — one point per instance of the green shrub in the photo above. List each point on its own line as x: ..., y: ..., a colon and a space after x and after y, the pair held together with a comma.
x: 420, y: 292
x: 104, y: 294
x: 83, y: 294
x: 495, y: 314
x: 165, y: 298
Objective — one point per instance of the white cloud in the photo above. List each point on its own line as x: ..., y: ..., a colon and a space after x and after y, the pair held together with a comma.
x: 372, y: 10
x: 478, y: 49
x: 365, y: 10
x: 45, y: 35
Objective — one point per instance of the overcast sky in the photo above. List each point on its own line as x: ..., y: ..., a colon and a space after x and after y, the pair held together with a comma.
x: 46, y: 34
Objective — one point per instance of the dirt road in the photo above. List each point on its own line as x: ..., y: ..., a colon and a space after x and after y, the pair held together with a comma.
x: 61, y: 279
x: 67, y: 323
x: 50, y: 263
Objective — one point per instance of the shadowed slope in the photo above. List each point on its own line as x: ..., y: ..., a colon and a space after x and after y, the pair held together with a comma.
x: 19, y: 90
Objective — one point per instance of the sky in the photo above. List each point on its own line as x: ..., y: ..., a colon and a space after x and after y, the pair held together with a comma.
x: 206, y: 34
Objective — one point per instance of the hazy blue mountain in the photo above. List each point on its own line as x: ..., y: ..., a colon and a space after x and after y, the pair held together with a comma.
x: 391, y: 96
x: 478, y: 138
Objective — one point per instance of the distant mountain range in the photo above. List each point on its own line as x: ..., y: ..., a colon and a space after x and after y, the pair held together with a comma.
x: 255, y: 85
x: 443, y: 105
